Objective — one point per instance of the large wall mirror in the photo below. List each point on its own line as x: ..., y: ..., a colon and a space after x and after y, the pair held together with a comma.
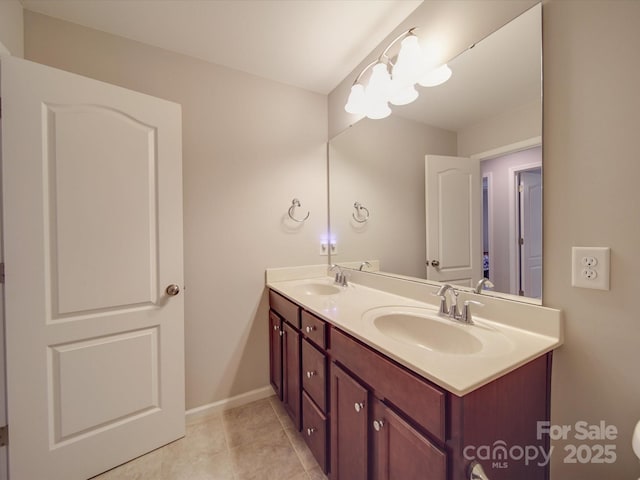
x: 449, y: 187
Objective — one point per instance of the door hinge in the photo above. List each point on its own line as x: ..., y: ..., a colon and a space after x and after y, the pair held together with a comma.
x: 4, y: 436
x: 521, y: 188
x: 521, y: 241
x: 2, y: 272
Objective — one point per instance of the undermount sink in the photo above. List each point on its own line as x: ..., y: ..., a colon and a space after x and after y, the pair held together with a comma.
x: 424, y: 328
x: 317, y: 289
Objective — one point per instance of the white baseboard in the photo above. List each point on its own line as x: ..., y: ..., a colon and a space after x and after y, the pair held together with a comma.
x: 209, y: 409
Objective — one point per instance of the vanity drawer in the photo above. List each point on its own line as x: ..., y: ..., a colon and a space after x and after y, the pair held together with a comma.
x: 314, y: 329
x: 285, y: 308
x: 314, y: 430
x: 314, y: 377
x: 420, y: 400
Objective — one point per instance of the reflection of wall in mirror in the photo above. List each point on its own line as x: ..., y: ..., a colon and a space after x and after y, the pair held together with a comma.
x: 380, y: 163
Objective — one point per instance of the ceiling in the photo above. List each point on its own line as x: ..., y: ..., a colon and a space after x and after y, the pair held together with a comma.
x: 312, y: 44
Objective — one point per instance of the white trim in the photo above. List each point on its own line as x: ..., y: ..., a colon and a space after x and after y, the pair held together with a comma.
x: 209, y: 409
x: 492, y: 258
x: 510, y: 148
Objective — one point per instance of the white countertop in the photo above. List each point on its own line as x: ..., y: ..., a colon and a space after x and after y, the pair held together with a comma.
x: 506, y: 344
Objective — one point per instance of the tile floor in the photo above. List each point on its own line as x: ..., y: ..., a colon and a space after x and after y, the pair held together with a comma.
x: 253, y: 442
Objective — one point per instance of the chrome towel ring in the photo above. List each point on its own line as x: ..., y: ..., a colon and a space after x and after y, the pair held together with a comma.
x: 296, y: 203
x: 358, y: 216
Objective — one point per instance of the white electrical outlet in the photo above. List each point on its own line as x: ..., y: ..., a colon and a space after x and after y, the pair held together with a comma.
x: 590, y: 267
x: 326, y: 248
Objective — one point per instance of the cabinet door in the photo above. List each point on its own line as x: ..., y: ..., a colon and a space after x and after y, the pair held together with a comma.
x: 291, y: 372
x: 399, y: 451
x: 275, y: 353
x: 349, y: 419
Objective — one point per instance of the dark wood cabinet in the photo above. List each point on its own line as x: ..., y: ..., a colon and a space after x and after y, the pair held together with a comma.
x: 400, y: 451
x: 275, y: 353
x: 314, y: 377
x: 366, y: 417
x: 291, y: 373
x: 314, y: 430
x: 349, y: 427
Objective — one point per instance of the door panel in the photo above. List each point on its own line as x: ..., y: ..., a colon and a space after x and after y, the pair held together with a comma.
x: 402, y: 452
x: 531, y: 232
x: 454, y: 212
x: 349, y: 406
x: 275, y: 353
x: 291, y: 373
x: 88, y: 150
x: 92, y: 208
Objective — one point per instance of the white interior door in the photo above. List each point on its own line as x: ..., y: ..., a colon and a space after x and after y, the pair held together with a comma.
x: 531, y: 233
x: 454, y: 219
x: 93, y: 236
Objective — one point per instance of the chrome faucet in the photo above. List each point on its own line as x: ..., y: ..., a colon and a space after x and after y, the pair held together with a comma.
x: 465, y: 316
x: 452, y: 311
x: 442, y: 293
x: 481, y: 283
x: 341, y: 277
x: 364, y: 264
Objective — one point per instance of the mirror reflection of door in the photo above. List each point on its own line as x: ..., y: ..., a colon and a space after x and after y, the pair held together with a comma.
x: 453, y: 222
x: 530, y: 232
x: 514, y: 266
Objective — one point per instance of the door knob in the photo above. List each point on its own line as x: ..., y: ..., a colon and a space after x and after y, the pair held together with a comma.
x: 172, y: 290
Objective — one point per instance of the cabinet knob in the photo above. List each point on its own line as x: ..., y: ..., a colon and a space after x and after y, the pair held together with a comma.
x: 282, y: 333
x: 172, y: 290
x: 310, y: 328
x: 310, y: 374
x: 275, y: 327
x: 310, y: 431
x: 359, y: 406
x: 378, y: 424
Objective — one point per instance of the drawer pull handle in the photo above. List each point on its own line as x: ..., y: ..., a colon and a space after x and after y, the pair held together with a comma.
x: 310, y: 431
x: 311, y: 373
x: 359, y: 406
x: 378, y: 424
x: 310, y: 328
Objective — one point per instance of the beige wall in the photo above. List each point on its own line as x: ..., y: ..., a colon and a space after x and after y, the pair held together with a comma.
x: 591, y: 197
x: 380, y: 163
x: 249, y: 146
x: 505, y: 129
x: 11, y: 28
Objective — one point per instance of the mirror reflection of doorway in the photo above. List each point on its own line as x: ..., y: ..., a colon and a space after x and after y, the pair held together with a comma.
x: 512, y: 220
x: 529, y: 211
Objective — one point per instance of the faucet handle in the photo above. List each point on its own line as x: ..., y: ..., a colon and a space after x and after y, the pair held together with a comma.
x: 466, y: 316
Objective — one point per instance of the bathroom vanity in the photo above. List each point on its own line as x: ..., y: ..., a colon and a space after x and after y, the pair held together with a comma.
x: 366, y: 412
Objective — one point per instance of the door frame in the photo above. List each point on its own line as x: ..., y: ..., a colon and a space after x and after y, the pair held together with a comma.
x: 4, y: 452
x: 490, y: 186
x: 512, y: 180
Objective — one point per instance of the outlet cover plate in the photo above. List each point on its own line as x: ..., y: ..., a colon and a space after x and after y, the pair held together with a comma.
x: 587, y: 273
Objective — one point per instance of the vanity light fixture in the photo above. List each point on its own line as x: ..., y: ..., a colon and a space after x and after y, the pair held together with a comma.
x: 393, y: 79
